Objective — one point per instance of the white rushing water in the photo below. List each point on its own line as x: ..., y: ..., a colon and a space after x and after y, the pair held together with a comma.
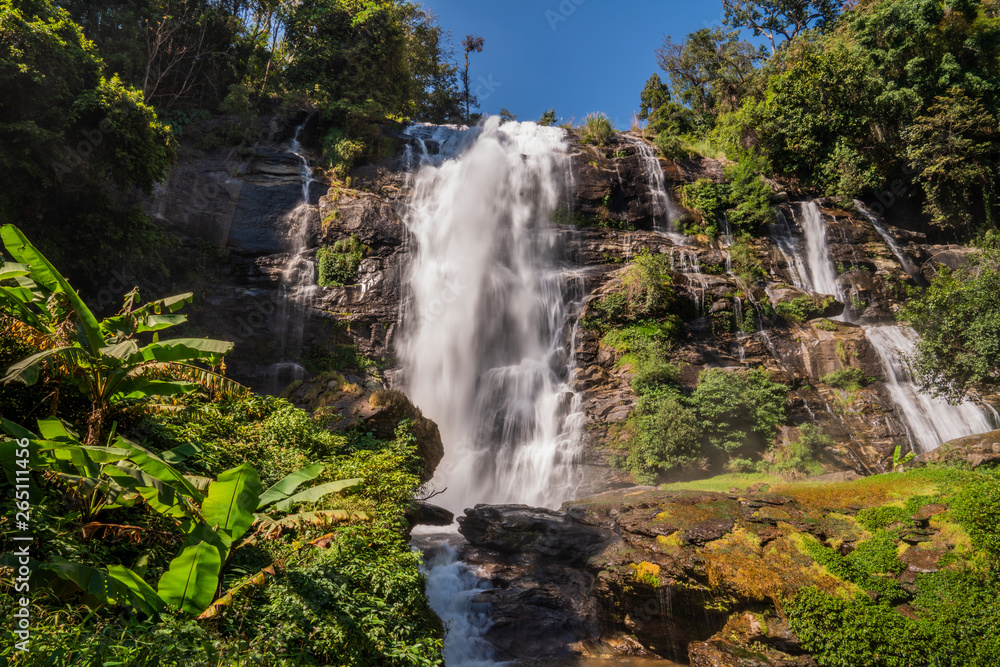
x: 298, y: 282
x: 486, y: 345
x: 894, y: 246
x: 664, y: 209
x: 929, y: 421
x: 822, y: 273
x: 488, y: 334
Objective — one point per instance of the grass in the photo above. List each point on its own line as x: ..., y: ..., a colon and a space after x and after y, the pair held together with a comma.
x: 597, y: 129
x: 722, y: 483
x: 868, y: 492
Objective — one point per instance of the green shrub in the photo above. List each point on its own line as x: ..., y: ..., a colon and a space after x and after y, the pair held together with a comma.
x: 548, y: 118
x: 849, y: 379
x: 750, y: 198
x: 340, y: 152
x: 859, y: 631
x: 706, y: 197
x: 800, y: 456
x: 977, y: 508
x: 879, y: 518
x: 597, y: 129
x: 746, y: 264
x: 739, y: 410
x: 671, y: 146
x: 646, y: 292
x: 802, y: 308
x: 338, y: 265
x: 664, y: 436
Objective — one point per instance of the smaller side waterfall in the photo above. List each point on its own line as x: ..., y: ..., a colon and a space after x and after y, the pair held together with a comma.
x: 298, y: 283
x: 664, y: 210
x: 904, y: 261
x: 929, y: 421
x: 822, y: 273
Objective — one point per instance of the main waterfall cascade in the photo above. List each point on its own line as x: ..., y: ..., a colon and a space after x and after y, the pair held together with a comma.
x: 487, y: 330
x: 488, y: 336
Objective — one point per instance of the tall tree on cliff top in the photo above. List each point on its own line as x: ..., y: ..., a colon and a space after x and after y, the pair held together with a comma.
x: 469, y: 44
x: 775, y: 19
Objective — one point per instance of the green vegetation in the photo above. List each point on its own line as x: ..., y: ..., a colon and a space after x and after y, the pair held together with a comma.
x: 548, y: 118
x: 338, y: 264
x: 205, y: 525
x: 849, y: 379
x: 953, y: 609
x: 958, y: 317
x: 739, y: 412
x: 803, y: 308
x: 745, y: 198
x: 597, y: 129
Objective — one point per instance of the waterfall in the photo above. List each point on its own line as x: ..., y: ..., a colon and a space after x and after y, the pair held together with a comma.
x: 451, y: 589
x: 929, y: 421
x: 298, y: 282
x: 486, y: 343
x: 904, y: 261
x: 822, y: 273
x: 488, y: 334
x: 786, y: 244
x: 664, y: 210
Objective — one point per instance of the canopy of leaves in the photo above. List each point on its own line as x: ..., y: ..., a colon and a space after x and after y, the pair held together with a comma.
x: 958, y: 317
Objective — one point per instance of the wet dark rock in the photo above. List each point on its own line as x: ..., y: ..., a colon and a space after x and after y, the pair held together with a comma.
x: 425, y: 514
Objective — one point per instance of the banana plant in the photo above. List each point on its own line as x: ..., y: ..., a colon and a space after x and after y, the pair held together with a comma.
x: 899, y: 461
x: 213, y: 517
x: 105, y: 360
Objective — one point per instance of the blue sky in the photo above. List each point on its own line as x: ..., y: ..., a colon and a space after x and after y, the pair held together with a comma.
x: 578, y: 56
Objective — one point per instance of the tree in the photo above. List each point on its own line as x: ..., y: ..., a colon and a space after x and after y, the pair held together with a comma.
x: 958, y: 318
x: 63, y: 123
x: 954, y: 149
x: 548, y: 118
x: 780, y: 18
x: 739, y: 410
x: 654, y: 95
x: 470, y: 44
x: 709, y: 71
x: 106, y: 360
x: 507, y: 116
x: 665, y: 435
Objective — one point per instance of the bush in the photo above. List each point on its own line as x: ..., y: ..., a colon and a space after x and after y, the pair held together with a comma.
x: 739, y: 410
x: 664, y: 436
x: 977, y: 508
x: 750, y: 198
x: 597, y: 129
x: 849, y: 379
x: 746, y: 264
x: 706, y: 197
x: 338, y: 265
x: 671, y: 146
x: 803, y: 308
x: 800, y: 456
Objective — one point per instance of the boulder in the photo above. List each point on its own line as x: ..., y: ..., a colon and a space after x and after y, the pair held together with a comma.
x: 977, y: 450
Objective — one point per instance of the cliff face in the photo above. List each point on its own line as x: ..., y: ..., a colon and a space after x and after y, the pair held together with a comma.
x: 240, y: 202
